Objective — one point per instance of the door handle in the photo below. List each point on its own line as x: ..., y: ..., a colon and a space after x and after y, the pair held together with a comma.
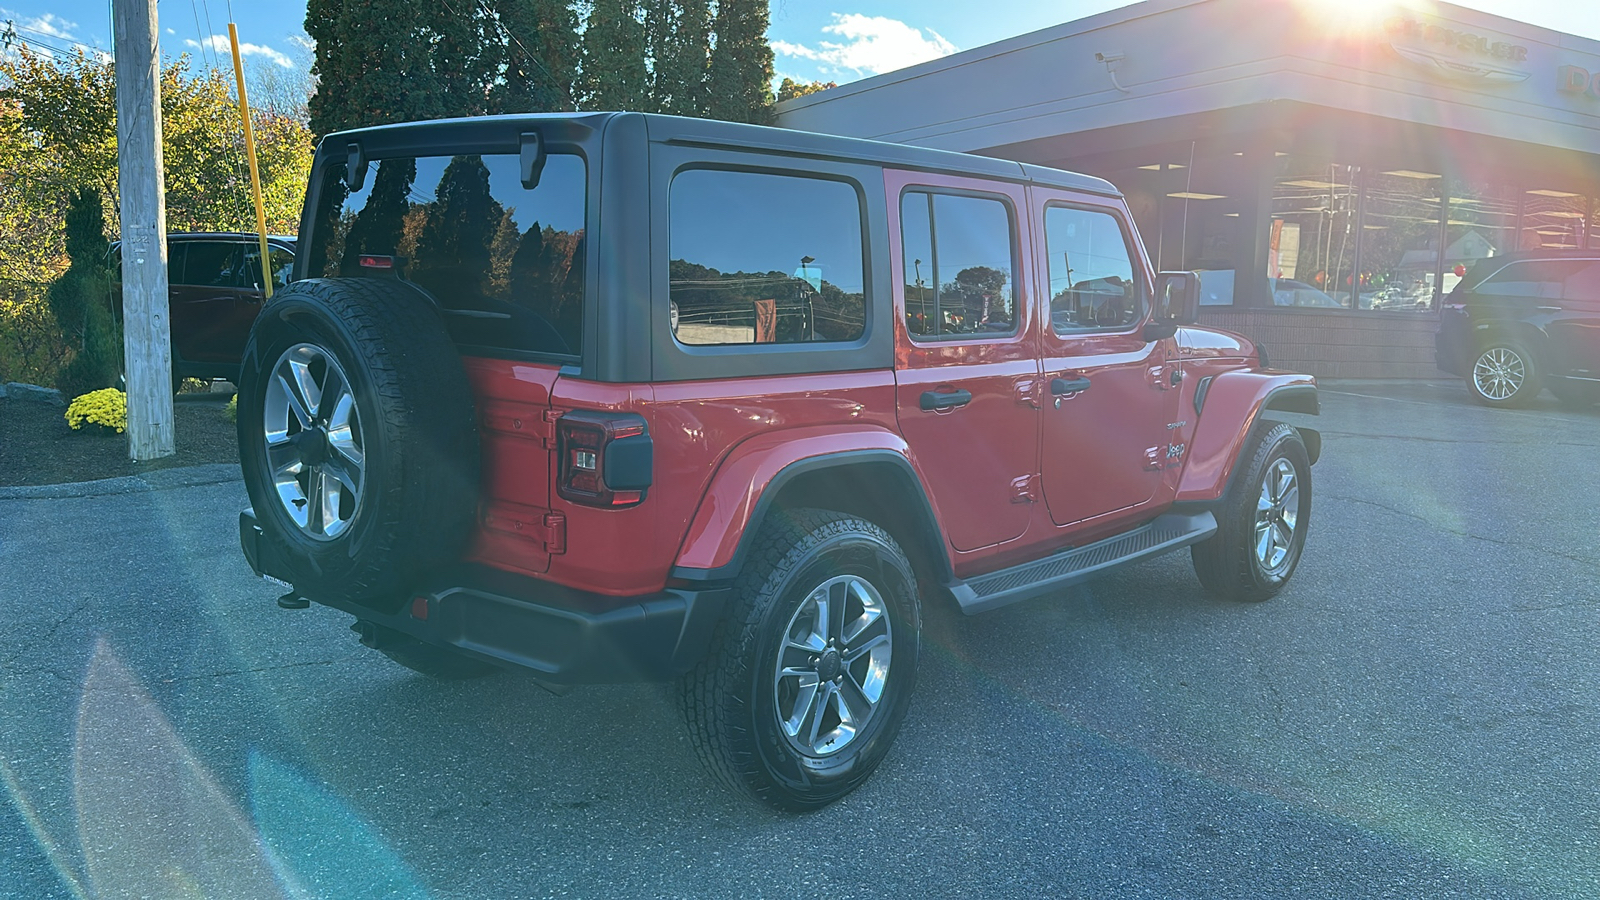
x: 1059, y: 386
x: 934, y: 400
x: 1548, y: 308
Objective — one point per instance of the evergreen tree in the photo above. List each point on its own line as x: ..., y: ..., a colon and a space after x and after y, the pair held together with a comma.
x: 678, y: 57
x: 739, y: 79
x: 541, y: 55
x: 81, y: 301
x: 381, y: 61
x: 614, y: 73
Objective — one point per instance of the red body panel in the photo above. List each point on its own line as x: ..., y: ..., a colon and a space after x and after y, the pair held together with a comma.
x: 729, y: 506
x: 517, y: 443
x: 1232, y: 403
x: 695, y: 426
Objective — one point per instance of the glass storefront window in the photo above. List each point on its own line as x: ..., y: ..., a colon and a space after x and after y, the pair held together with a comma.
x: 1312, y: 234
x: 1553, y: 219
x: 1482, y: 223
x: 1399, y: 241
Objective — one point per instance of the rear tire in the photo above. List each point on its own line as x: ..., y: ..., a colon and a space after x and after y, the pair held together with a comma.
x: 1504, y: 373
x: 1261, y: 525
x: 811, y: 672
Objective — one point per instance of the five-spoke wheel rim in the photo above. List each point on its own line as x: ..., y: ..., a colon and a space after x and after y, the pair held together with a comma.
x: 833, y: 666
x: 1277, y: 515
x: 1499, y: 373
x: 314, y: 448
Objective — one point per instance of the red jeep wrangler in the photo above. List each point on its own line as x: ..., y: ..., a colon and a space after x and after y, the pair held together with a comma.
x: 619, y: 396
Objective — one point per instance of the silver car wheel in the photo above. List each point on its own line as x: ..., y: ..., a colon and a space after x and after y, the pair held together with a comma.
x: 1499, y: 373
x: 833, y: 666
x: 1277, y: 515
x: 314, y: 445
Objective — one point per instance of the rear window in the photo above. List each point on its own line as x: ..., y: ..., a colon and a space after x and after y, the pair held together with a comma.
x: 505, y: 263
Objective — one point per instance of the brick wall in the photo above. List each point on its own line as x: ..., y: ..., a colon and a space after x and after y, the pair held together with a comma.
x: 1338, y: 345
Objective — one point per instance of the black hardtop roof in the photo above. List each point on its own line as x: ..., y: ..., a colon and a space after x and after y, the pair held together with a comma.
x: 680, y: 130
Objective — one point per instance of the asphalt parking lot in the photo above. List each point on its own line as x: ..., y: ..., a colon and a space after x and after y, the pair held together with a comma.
x: 1415, y: 717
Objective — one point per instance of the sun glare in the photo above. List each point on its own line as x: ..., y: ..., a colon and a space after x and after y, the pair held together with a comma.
x: 1351, y: 15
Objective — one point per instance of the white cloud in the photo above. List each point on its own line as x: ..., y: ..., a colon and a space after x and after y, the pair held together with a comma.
x: 872, y: 44
x: 218, y: 43
x: 49, y: 25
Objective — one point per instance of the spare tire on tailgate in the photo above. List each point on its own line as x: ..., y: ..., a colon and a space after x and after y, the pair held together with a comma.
x: 357, y: 438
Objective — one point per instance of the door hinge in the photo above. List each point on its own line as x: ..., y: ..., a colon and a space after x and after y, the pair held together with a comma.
x: 547, y: 427
x: 1030, y: 391
x: 528, y: 523
x: 1026, y: 489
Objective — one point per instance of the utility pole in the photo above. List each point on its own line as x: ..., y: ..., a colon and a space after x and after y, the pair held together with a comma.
x: 147, y: 332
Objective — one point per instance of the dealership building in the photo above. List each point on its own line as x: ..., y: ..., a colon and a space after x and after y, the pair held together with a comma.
x: 1330, y: 168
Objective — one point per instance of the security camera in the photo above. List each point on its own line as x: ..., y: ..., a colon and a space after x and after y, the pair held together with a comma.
x: 1115, y: 56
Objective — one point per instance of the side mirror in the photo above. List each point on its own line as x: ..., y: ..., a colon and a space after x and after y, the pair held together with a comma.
x: 1178, y: 297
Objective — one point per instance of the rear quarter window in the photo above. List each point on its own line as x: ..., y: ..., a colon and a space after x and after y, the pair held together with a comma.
x: 758, y: 258
x: 505, y: 263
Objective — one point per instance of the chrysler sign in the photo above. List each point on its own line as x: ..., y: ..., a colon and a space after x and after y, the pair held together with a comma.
x: 1455, y: 54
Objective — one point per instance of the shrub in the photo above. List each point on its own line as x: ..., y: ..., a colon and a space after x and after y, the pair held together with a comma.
x: 231, y: 411
x: 106, y: 408
x: 31, y: 348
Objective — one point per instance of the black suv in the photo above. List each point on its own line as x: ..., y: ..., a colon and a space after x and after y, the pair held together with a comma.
x: 1516, y: 324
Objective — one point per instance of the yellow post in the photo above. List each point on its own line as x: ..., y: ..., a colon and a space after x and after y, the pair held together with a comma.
x: 250, y: 153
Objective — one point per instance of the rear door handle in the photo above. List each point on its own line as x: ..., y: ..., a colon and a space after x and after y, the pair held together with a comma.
x: 932, y: 400
x: 1059, y: 386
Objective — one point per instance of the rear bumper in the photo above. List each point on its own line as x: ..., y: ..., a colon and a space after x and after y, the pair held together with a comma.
x: 562, y: 635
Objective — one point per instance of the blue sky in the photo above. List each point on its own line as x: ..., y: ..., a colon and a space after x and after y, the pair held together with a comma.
x: 840, y: 40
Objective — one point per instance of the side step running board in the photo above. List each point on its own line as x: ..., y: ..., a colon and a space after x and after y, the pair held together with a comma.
x: 1069, y: 567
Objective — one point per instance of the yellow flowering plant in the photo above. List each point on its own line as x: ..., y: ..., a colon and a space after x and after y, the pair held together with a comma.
x: 106, y: 408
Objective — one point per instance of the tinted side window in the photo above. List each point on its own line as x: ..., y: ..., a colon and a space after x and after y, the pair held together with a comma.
x: 505, y: 263
x: 1538, y: 279
x: 212, y: 264
x: 1584, y: 284
x: 280, y: 260
x: 764, y: 259
x: 957, y: 266
x: 1092, y: 285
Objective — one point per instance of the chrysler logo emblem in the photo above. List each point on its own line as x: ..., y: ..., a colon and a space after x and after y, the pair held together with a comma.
x: 1457, y: 55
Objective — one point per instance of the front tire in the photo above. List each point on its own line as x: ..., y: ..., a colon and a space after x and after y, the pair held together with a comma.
x: 1261, y: 527
x: 811, y: 672
x: 1504, y: 373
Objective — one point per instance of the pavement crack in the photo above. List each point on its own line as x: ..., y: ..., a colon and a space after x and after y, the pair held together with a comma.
x: 1516, y: 545
x: 233, y: 672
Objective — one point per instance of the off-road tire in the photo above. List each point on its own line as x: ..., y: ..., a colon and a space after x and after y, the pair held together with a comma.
x: 1228, y: 563
x: 420, y: 485
x: 729, y: 700
x: 1518, y: 362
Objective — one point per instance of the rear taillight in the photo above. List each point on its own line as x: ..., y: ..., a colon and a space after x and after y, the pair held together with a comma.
x: 606, y: 459
x: 369, y: 261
